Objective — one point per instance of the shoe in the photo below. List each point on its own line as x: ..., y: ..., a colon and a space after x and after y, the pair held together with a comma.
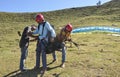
x: 62, y: 65
x: 23, y: 69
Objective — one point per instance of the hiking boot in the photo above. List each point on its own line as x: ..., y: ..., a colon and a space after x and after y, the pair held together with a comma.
x: 23, y: 69
x: 62, y: 65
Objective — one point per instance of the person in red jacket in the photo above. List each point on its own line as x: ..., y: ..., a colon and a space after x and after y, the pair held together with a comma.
x: 64, y: 35
x: 24, y: 43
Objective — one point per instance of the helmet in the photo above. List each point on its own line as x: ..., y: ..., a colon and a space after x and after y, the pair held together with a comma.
x: 68, y: 27
x: 39, y: 18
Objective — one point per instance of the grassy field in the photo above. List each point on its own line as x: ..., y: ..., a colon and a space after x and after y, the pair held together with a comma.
x: 99, y: 54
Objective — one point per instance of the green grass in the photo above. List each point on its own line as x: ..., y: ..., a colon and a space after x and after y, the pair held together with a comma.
x: 99, y: 56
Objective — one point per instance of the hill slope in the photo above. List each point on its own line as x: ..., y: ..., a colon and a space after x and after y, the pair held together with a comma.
x: 109, y: 12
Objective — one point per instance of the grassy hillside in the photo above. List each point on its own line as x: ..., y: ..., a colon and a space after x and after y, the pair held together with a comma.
x: 99, y: 54
x: 108, y: 12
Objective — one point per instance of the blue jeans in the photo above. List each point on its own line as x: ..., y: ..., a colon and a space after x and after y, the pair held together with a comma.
x: 62, y: 46
x: 24, y: 53
x: 40, y: 50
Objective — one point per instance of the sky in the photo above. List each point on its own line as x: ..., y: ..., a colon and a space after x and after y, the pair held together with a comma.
x: 44, y: 5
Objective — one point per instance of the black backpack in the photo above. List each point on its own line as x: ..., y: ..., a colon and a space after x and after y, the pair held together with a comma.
x: 48, y: 45
x: 49, y: 33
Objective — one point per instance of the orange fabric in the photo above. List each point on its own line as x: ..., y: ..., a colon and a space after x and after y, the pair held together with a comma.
x: 63, y: 36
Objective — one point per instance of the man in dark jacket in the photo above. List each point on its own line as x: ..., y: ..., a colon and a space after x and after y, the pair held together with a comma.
x: 23, y: 44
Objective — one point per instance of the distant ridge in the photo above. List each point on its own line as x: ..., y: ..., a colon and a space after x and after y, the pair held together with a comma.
x: 111, y: 8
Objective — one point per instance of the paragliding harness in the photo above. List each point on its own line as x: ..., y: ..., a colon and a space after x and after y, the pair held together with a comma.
x: 48, y: 45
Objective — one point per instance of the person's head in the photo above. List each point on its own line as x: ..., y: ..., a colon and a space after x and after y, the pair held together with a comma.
x: 33, y: 27
x: 68, y: 28
x: 39, y: 18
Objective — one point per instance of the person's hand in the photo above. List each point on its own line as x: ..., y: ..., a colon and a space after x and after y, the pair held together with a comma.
x: 26, y: 44
x: 29, y: 33
x: 19, y: 33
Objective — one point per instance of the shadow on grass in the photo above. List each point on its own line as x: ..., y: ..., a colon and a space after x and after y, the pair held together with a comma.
x: 50, y: 63
x: 8, y: 75
x: 30, y: 73
x: 57, y: 75
x: 50, y: 68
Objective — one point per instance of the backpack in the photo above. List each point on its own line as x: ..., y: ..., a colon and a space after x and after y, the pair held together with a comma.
x: 48, y: 45
x: 49, y: 33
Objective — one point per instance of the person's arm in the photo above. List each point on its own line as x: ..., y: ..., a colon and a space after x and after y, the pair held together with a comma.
x: 68, y: 36
x: 32, y: 40
x: 34, y: 33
